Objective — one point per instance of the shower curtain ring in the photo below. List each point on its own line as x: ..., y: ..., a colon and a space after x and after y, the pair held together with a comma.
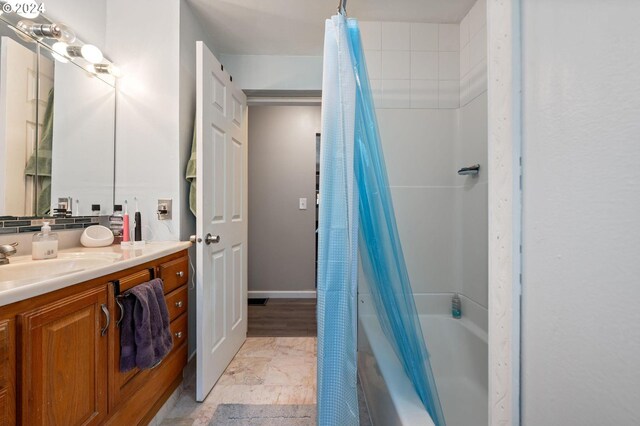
x: 342, y: 7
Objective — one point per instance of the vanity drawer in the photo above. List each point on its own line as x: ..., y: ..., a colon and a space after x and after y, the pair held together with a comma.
x: 174, y: 273
x: 179, y: 331
x: 177, y: 302
x: 136, y: 278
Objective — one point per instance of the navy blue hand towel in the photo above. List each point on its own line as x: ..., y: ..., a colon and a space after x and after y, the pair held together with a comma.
x: 145, y: 336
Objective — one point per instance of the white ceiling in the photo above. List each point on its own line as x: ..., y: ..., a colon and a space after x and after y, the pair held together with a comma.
x: 296, y: 27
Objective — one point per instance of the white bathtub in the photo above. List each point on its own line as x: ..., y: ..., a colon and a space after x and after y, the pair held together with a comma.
x: 458, y: 351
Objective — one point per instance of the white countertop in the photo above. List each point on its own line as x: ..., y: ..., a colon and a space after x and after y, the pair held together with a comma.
x: 117, y: 259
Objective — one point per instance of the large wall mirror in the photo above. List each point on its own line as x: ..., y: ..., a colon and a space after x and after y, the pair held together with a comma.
x: 57, y: 128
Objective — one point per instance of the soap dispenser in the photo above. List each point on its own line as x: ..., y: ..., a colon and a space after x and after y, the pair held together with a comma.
x: 45, y: 244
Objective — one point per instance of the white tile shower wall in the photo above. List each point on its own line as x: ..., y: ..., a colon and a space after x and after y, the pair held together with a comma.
x: 418, y: 147
x: 471, y: 202
x: 415, y: 71
x: 473, y: 53
x: 413, y: 65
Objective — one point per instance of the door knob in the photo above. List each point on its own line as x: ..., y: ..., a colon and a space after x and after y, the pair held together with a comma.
x: 211, y: 239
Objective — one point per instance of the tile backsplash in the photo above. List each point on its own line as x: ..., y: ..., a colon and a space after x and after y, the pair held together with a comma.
x: 17, y: 225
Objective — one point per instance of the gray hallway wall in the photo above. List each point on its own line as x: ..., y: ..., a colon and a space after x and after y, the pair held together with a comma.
x: 282, y: 158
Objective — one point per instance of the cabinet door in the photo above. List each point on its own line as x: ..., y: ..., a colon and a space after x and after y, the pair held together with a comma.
x: 64, y: 361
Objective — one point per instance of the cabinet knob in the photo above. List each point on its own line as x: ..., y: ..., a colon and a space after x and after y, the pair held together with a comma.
x: 179, y: 304
x: 179, y: 335
x: 180, y: 274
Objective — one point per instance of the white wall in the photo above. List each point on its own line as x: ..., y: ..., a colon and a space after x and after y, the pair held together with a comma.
x: 274, y: 72
x: 148, y: 128
x: 581, y: 233
x: 87, y: 18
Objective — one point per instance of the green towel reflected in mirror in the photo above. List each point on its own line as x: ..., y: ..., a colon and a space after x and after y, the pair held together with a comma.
x: 39, y: 164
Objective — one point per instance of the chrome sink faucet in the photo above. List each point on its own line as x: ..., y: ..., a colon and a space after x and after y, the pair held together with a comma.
x: 7, y: 250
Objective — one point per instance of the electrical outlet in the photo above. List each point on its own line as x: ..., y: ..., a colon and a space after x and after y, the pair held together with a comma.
x: 302, y: 203
x: 164, y: 209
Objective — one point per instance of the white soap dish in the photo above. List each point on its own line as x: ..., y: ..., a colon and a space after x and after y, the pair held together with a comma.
x: 96, y: 236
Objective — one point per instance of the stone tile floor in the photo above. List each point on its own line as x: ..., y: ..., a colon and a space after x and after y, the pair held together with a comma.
x: 266, y: 370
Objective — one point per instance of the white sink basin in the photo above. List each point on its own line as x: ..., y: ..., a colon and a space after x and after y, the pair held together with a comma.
x: 23, y: 269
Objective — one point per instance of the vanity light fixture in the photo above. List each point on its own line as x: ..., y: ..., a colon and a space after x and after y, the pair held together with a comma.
x: 105, y: 69
x: 54, y: 31
x: 88, y: 51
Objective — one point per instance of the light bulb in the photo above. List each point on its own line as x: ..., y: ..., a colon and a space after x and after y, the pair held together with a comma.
x: 60, y: 48
x: 91, y: 53
x: 22, y: 30
x: 66, y: 34
x: 115, y: 71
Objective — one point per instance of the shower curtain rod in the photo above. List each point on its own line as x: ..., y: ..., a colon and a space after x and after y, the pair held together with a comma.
x: 342, y: 7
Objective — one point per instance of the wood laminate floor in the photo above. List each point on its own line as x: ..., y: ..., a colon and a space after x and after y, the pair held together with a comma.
x: 283, y: 318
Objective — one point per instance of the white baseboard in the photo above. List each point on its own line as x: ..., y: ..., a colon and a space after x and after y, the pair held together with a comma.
x: 308, y: 294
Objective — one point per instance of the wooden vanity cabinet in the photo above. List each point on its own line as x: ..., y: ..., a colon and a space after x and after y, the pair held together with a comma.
x: 60, y: 353
x: 64, y: 361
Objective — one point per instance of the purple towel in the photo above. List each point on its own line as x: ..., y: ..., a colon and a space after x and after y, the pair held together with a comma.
x: 145, y: 336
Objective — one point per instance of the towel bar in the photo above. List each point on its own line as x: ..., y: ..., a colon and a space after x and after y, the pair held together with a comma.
x: 116, y: 283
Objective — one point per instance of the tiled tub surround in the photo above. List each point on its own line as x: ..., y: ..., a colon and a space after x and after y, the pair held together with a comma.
x: 16, y: 225
x: 413, y: 65
x: 441, y: 216
x: 473, y: 53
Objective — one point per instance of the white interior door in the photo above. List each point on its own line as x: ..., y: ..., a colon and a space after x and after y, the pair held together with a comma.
x: 221, y: 253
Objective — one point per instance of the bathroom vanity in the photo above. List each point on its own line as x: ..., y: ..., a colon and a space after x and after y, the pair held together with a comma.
x: 60, y: 336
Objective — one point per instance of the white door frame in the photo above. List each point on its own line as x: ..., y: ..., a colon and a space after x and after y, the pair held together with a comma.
x: 505, y: 201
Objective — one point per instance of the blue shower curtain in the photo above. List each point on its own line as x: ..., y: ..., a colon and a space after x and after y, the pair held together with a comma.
x: 351, y: 151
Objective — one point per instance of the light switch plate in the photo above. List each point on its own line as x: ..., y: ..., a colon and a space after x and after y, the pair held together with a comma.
x: 164, y: 209
x: 302, y: 204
